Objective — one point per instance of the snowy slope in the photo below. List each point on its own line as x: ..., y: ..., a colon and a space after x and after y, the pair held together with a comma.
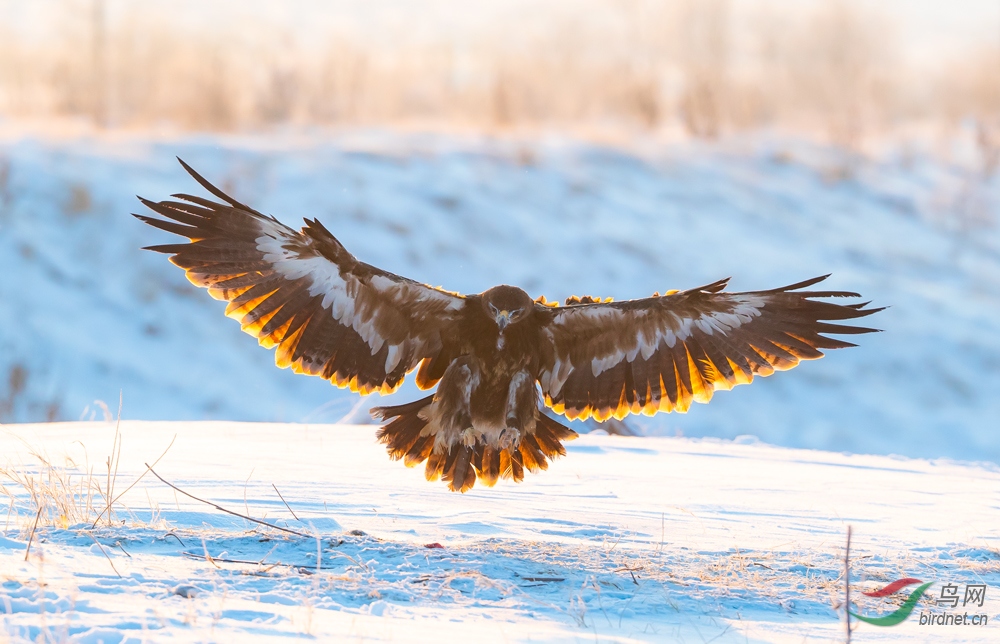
x: 624, y: 540
x: 86, y: 314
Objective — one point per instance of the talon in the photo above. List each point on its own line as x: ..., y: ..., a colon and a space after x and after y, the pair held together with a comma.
x: 509, y: 437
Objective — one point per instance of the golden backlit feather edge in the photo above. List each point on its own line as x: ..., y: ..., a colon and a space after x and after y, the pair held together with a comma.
x: 701, y: 387
x: 407, y: 438
x: 186, y: 215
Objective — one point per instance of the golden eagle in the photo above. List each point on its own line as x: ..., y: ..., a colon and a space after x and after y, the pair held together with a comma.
x: 495, y: 357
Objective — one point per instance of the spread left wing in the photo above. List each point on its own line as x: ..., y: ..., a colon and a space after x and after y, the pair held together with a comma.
x: 327, y: 313
x: 663, y: 352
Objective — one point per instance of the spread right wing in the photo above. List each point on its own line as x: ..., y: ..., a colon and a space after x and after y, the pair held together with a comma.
x: 327, y: 313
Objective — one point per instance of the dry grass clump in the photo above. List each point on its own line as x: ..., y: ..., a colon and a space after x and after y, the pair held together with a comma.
x: 64, y: 495
x: 59, y: 495
x: 642, y: 64
x: 46, y: 493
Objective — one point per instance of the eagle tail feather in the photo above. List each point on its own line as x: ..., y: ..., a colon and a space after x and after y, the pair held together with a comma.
x: 462, y: 464
x: 402, y: 435
x: 435, y: 465
x: 531, y: 454
x: 550, y: 434
x: 511, y: 465
x: 458, y: 470
x: 489, y: 465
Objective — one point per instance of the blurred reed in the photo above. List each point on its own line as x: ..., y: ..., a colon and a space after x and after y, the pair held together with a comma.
x: 659, y: 64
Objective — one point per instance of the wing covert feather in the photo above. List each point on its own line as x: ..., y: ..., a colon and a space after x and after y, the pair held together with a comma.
x: 301, y: 292
x: 662, y: 353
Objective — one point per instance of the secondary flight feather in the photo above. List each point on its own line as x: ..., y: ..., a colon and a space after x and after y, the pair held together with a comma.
x: 497, y: 358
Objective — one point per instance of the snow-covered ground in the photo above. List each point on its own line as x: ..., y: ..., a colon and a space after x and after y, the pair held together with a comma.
x: 653, y: 538
x: 85, y: 314
x: 627, y: 539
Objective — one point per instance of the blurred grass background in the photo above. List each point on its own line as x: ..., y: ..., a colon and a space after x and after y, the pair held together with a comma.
x: 846, y: 71
x: 864, y: 133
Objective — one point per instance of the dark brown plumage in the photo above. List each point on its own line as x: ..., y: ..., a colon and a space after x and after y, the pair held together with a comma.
x: 497, y: 357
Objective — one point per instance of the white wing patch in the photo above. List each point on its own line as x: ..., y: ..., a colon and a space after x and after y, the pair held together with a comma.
x: 553, y: 381
x: 339, y: 295
x: 648, y: 340
x: 600, y: 365
x: 344, y: 298
x: 409, y: 291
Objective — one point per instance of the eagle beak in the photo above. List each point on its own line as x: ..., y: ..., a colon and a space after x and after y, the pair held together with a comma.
x: 503, y: 319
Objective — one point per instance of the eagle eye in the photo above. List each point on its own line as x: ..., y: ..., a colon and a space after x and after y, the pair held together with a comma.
x: 493, y: 309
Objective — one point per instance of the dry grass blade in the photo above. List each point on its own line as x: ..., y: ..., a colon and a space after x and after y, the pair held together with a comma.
x: 847, y: 585
x: 246, y: 562
x: 319, y: 553
x: 10, y: 508
x: 112, y: 466
x: 208, y: 557
x: 285, y: 502
x: 133, y: 484
x: 105, y: 553
x: 27, y: 550
x: 222, y: 509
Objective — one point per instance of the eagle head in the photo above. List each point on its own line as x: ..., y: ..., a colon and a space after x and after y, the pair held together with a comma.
x: 507, y: 305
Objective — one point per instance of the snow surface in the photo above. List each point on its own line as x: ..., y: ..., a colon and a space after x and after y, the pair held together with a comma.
x: 627, y: 539
x: 86, y: 314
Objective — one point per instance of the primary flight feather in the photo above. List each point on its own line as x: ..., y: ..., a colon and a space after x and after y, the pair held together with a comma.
x: 497, y: 357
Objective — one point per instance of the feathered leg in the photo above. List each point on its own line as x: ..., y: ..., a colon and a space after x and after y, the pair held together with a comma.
x: 448, y: 425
